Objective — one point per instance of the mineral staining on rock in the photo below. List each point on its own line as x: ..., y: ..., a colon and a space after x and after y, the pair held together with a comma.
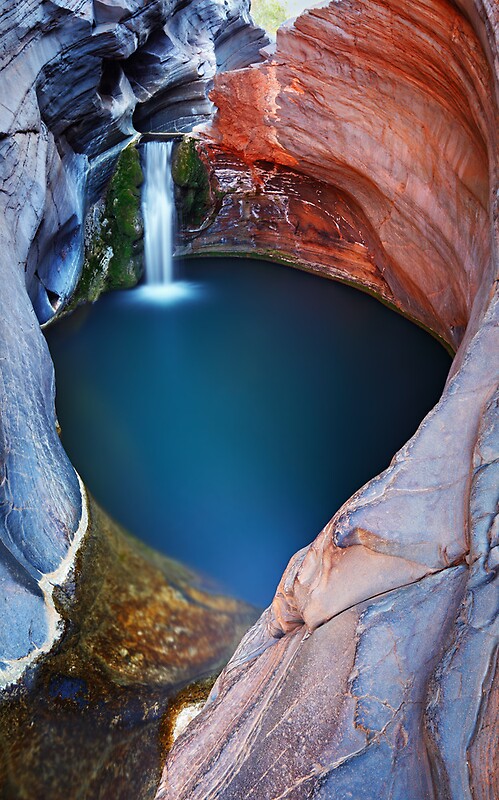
x: 279, y: 214
x: 187, y: 705
x: 340, y: 707
x: 190, y: 174
x: 360, y: 679
x: 395, y: 111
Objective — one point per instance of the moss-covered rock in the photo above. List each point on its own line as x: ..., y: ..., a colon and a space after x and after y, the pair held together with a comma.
x: 114, y: 234
x: 125, y: 227
x: 193, y: 192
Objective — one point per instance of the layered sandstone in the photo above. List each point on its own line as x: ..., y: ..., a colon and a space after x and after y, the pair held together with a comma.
x: 373, y: 674
x: 395, y: 108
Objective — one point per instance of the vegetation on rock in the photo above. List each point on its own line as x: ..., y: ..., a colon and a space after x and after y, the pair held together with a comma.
x: 193, y: 184
x: 114, y: 234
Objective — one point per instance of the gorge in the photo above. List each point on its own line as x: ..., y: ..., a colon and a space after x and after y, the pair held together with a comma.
x: 362, y: 147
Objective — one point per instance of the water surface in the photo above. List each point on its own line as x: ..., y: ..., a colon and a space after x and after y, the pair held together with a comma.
x: 226, y: 424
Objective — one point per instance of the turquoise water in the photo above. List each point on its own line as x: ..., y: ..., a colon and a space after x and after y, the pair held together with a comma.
x: 225, y: 425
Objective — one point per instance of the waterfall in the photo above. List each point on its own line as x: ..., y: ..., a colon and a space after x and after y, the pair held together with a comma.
x: 158, y: 208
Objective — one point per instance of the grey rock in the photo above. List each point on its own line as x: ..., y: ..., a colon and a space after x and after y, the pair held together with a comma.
x: 69, y: 93
x: 406, y: 571
x: 340, y: 707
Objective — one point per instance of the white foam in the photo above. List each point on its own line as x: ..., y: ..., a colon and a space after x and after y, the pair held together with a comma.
x: 158, y: 210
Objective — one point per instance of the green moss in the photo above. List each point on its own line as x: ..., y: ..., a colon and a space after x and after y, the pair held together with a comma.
x: 113, y: 234
x: 122, y: 209
x: 191, y: 178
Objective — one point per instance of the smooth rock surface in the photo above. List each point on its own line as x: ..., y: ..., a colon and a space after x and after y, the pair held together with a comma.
x: 66, y: 111
x: 394, y: 105
x: 353, y: 707
x: 373, y: 674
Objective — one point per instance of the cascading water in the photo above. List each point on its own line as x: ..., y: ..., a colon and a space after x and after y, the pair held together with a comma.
x: 158, y: 208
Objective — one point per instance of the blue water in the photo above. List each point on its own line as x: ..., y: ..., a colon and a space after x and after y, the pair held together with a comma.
x: 225, y: 425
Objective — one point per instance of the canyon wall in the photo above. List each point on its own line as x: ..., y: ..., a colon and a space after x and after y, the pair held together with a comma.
x: 124, y: 629
x: 370, y: 133
x: 364, y: 148
x: 72, y: 79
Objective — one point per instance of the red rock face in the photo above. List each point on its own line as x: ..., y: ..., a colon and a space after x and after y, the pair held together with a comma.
x: 275, y: 212
x: 278, y: 213
x: 373, y: 673
x: 395, y: 108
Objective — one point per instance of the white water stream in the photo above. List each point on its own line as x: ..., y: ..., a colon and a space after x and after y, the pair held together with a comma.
x: 158, y: 209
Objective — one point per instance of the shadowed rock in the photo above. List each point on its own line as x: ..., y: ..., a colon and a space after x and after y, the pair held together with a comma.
x: 74, y: 74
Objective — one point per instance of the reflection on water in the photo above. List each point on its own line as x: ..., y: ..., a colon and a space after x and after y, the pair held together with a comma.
x: 162, y: 294
x: 226, y: 425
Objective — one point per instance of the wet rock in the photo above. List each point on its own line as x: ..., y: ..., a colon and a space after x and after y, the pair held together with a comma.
x: 365, y: 146
x: 269, y: 211
x: 196, y: 198
x: 114, y: 233
x: 66, y: 113
x: 141, y: 636
x: 74, y: 78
